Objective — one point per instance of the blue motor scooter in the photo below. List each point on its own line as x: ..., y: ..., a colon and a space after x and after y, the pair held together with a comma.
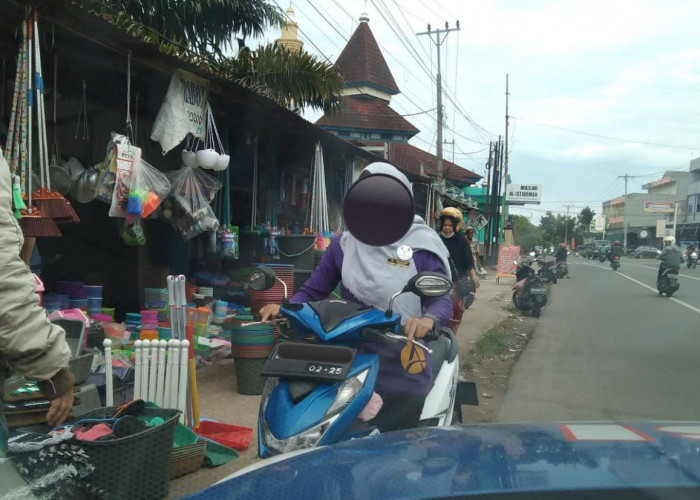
x: 320, y: 381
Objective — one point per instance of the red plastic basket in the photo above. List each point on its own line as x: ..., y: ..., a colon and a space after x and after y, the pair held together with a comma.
x: 233, y: 436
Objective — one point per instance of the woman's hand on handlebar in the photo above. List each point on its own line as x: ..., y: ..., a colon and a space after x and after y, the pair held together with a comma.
x: 418, y: 327
x: 269, y: 311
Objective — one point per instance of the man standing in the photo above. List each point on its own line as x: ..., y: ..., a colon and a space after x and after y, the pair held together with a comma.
x: 474, y: 245
x: 29, y: 343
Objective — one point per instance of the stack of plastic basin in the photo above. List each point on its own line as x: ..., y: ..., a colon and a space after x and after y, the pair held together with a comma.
x: 157, y: 299
x: 250, y: 347
x: 94, y: 298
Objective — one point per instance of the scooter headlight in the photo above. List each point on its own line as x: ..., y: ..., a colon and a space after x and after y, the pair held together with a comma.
x: 347, y: 391
x: 694, y: 255
x: 310, y: 437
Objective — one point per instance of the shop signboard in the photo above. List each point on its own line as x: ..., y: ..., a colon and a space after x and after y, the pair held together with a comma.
x: 184, y: 110
x: 521, y: 194
x: 508, y: 255
x: 659, y: 207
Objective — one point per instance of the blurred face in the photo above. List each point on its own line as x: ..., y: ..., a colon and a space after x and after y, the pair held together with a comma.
x: 447, y: 227
x: 470, y: 234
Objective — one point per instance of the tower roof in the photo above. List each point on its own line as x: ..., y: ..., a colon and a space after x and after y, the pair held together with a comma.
x: 362, y: 63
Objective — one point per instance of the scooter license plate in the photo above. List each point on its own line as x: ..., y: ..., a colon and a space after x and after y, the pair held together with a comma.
x: 302, y: 360
x: 537, y: 290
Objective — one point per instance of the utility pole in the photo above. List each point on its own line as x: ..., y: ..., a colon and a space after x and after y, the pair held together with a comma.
x: 452, y: 142
x: 489, y: 202
x: 439, y: 41
x: 566, y: 225
x: 505, y: 155
x: 624, y: 217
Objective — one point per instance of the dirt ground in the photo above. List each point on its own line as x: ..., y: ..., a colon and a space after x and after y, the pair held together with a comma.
x: 219, y: 399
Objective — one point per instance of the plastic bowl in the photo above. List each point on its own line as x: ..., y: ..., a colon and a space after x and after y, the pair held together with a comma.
x: 222, y: 162
x: 207, y: 158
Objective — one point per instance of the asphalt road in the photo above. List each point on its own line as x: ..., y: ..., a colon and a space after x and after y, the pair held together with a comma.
x: 608, y: 347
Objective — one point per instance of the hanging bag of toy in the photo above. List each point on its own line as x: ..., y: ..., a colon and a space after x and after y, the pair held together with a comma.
x: 126, y: 156
x: 149, y: 187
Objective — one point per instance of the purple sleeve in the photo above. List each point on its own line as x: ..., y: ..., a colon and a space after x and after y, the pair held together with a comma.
x: 324, y: 278
x: 441, y: 307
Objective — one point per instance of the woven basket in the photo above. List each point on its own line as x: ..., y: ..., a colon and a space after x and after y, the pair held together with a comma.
x: 187, y: 459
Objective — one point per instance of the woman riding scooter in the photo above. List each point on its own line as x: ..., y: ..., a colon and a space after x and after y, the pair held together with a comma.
x: 370, y: 275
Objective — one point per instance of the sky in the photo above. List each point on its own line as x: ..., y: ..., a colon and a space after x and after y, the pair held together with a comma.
x: 626, y: 70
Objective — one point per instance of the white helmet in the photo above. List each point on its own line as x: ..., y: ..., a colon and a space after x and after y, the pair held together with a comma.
x: 669, y: 240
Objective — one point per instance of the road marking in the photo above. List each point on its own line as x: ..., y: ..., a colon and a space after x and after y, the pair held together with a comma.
x: 602, y: 432
x: 684, y: 304
x: 656, y: 269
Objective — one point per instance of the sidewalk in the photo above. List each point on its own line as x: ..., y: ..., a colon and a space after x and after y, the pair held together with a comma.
x: 219, y: 400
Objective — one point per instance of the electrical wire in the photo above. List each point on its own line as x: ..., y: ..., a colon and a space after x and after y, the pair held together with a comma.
x: 600, y: 136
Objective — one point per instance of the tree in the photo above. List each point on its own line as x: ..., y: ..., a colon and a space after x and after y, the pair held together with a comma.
x: 525, y: 233
x: 206, y: 27
x: 290, y: 77
x: 584, y: 220
x: 548, y: 226
x: 202, y: 31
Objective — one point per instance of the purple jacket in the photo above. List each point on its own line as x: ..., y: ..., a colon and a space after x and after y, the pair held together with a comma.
x: 393, y: 377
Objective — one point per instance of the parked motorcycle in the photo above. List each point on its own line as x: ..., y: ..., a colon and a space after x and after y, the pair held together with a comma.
x: 320, y: 381
x: 615, y: 263
x: 530, y: 293
x: 602, y: 257
x: 692, y: 260
x: 668, y: 284
x: 547, y: 272
x: 562, y: 269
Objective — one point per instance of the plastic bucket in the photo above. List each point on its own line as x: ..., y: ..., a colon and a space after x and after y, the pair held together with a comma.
x: 248, y: 379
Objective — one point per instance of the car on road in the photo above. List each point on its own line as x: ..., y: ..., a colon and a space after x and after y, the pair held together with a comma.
x: 646, y: 252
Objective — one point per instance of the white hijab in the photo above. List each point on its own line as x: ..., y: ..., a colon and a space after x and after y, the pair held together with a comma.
x: 373, y: 275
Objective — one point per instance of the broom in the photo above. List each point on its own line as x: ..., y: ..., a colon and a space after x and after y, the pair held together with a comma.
x: 50, y: 202
x: 34, y: 223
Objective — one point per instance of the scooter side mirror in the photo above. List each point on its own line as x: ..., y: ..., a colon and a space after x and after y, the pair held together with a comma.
x: 262, y: 278
x: 428, y: 284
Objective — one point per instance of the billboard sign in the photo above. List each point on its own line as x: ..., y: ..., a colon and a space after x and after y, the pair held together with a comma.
x: 659, y: 207
x: 520, y: 194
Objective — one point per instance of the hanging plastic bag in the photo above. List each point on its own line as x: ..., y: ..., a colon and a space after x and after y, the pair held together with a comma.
x: 126, y: 156
x: 188, y: 207
x: 150, y: 186
x: 132, y: 233
x: 107, y: 176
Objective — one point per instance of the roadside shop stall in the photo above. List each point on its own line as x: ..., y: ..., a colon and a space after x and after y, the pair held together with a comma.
x: 117, y: 202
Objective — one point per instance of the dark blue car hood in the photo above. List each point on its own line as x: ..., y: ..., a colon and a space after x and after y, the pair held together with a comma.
x: 488, y: 459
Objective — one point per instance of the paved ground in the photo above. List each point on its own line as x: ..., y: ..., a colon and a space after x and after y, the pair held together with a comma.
x: 608, y: 347
x: 219, y: 399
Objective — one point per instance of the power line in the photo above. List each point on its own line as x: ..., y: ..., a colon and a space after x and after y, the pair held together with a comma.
x: 599, y: 136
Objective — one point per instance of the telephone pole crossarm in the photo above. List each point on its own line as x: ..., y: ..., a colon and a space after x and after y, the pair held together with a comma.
x: 438, y: 41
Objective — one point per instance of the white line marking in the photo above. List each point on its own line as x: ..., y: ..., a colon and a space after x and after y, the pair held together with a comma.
x: 684, y: 304
x: 656, y: 269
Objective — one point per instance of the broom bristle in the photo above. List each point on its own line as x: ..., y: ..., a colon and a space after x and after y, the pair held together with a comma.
x: 70, y: 219
x: 35, y: 224
x: 53, y: 205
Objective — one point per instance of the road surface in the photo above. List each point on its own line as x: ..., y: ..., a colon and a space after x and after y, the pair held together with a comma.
x: 608, y: 347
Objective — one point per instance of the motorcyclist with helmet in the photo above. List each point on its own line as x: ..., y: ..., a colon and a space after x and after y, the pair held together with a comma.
x: 461, y: 261
x: 670, y: 257
x: 561, y: 253
x: 615, y: 251
x: 460, y: 251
